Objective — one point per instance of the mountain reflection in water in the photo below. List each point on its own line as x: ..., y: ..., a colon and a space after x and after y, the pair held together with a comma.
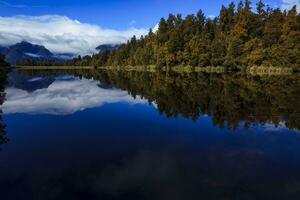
x: 97, y: 134
x: 63, y: 95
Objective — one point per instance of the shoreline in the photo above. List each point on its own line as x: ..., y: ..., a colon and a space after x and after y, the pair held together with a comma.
x: 253, y: 70
x: 54, y: 67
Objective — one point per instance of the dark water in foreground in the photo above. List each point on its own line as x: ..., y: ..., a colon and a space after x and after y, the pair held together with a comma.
x: 141, y: 135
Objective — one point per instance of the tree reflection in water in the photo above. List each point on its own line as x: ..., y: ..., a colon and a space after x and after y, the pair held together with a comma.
x: 3, y: 79
x: 231, y: 99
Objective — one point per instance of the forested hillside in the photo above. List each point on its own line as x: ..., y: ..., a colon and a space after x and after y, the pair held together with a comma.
x: 239, y: 36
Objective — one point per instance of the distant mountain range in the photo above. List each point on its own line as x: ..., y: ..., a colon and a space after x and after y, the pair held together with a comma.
x: 25, y: 50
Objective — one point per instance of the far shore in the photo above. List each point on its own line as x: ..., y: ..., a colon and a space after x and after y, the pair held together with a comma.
x: 55, y: 67
x: 253, y: 70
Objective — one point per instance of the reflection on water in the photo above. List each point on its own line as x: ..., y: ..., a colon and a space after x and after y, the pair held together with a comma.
x: 141, y: 135
x: 62, y: 95
x: 228, y: 98
x: 3, y: 79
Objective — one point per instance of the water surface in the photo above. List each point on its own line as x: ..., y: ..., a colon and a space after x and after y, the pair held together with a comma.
x: 140, y: 135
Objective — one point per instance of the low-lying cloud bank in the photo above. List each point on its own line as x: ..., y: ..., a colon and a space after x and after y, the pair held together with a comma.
x: 60, y: 34
x: 64, y: 97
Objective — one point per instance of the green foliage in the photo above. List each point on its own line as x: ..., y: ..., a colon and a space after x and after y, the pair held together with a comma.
x: 237, y: 38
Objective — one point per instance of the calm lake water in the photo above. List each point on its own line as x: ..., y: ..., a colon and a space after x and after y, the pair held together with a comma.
x: 149, y: 135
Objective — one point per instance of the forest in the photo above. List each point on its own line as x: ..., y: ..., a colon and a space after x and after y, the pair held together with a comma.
x: 240, y: 36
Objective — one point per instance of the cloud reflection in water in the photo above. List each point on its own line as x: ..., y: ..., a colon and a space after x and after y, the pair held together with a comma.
x: 64, y: 97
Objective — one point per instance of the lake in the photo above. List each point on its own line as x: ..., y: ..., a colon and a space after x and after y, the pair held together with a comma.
x: 105, y: 134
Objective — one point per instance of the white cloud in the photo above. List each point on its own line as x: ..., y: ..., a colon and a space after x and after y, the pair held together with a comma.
x: 156, y: 28
x: 64, y: 96
x: 270, y: 127
x: 33, y: 55
x: 132, y: 23
x: 288, y: 4
x: 7, y: 4
x: 211, y: 16
x: 60, y: 34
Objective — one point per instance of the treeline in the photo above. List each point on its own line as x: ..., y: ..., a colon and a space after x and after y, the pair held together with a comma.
x: 237, y: 37
x: 79, y: 61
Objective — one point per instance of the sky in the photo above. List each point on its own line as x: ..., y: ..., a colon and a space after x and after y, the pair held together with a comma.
x: 109, y: 21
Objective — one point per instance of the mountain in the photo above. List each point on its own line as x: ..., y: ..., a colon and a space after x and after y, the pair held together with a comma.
x: 27, y: 51
x: 107, y: 47
x: 3, y: 50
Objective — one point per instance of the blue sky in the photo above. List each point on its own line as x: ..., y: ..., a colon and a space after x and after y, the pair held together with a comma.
x: 79, y: 26
x: 116, y: 14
